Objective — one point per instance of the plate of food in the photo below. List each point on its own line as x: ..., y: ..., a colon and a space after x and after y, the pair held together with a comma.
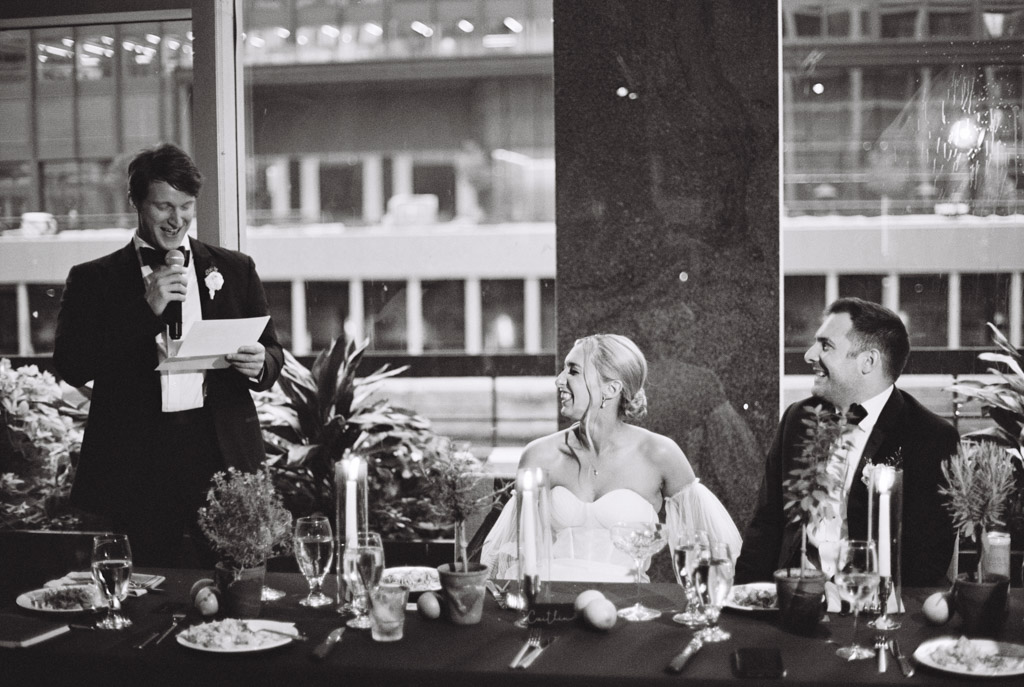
x: 413, y: 578
x: 974, y: 657
x: 756, y: 596
x: 72, y: 598
x: 233, y: 636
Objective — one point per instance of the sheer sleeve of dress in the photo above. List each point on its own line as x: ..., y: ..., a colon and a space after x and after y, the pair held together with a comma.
x: 701, y: 510
x: 500, y: 547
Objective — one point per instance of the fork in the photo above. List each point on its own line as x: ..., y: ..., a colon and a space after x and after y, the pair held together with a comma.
x: 881, y: 644
x: 532, y: 642
x: 176, y: 619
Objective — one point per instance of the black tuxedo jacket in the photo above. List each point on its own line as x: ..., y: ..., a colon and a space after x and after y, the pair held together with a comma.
x: 106, y: 334
x: 924, y: 439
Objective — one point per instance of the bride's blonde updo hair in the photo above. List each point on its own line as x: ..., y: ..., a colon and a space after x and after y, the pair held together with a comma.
x: 616, y: 357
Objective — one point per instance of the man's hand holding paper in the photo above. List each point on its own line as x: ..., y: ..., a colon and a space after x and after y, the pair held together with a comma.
x: 248, y: 360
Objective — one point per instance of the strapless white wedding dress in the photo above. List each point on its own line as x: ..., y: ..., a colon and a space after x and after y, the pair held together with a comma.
x: 582, y: 549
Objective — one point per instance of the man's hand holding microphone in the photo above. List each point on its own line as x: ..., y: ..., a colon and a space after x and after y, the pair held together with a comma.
x: 166, y: 289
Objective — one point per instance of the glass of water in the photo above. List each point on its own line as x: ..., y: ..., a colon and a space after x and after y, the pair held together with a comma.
x: 314, y: 551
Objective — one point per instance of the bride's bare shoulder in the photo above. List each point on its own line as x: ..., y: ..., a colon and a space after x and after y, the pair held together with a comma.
x: 546, y: 451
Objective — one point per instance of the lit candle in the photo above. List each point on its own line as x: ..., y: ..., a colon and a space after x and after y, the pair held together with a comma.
x: 527, y: 488
x: 885, y: 478
x: 871, y: 502
x: 350, y: 467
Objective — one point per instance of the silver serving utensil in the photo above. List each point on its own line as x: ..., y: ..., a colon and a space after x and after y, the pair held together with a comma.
x: 296, y: 637
x: 176, y: 619
x: 682, y: 658
x: 880, y: 647
x: 532, y: 641
x: 324, y: 647
x: 532, y: 656
x: 146, y: 642
x: 905, y: 665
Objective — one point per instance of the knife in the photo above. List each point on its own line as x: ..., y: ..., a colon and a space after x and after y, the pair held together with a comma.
x: 324, y: 647
x: 532, y: 656
x: 679, y: 662
x: 905, y: 664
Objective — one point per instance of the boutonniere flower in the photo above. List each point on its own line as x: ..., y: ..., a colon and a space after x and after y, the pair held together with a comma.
x: 214, y: 281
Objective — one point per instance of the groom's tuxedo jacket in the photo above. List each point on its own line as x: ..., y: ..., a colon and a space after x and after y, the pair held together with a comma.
x: 924, y: 440
x: 106, y: 334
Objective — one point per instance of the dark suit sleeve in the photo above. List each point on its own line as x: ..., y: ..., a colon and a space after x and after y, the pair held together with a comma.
x: 90, y: 341
x: 274, y: 355
x: 928, y: 534
x: 762, y: 540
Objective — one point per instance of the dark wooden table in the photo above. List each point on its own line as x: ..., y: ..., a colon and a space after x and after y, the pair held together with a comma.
x: 437, y: 653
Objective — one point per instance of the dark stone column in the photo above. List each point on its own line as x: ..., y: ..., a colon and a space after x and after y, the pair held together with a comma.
x: 666, y: 123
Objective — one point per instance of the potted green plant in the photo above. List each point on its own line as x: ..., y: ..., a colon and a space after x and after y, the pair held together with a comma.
x: 809, y: 496
x: 1003, y: 401
x: 311, y: 416
x: 979, y: 480
x: 461, y: 488
x: 246, y: 522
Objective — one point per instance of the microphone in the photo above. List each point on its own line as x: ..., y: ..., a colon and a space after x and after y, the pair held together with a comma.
x: 172, y: 313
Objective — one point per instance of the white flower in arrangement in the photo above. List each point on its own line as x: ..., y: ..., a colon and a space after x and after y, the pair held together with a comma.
x: 214, y: 281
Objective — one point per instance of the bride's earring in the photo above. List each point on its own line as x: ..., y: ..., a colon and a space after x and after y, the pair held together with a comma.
x: 604, y: 402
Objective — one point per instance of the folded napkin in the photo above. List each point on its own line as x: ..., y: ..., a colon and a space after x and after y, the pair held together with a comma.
x: 894, y: 605
x: 141, y: 583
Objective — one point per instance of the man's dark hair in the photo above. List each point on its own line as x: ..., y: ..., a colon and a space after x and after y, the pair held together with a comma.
x: 165, y: 162
x: 875, y: 326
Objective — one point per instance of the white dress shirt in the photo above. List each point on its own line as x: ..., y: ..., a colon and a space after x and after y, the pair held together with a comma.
x: 179, y: 390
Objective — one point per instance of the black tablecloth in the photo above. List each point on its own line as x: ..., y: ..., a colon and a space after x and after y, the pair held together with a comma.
x: 438, y: 653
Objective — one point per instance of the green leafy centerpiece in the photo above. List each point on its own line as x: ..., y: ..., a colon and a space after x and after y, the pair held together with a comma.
x: 246, y: 522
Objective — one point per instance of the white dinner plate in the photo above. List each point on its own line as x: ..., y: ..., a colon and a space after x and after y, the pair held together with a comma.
x: 414, y: 578
x: 65, y: 599
x: 262, y: 641
x: 1011, y: 663
x: 740, y: 591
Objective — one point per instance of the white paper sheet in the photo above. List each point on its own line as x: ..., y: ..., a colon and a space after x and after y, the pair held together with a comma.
x: 205, y: 344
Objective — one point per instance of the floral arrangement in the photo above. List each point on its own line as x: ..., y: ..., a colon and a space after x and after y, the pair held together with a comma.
x: 245, y: 519
x: 809, y: 492
x: 979, y: 481
x: 461, y: 488
x: 311, y: 416
x: 40, y: 437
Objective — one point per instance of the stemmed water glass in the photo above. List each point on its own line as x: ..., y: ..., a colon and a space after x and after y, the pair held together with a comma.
x: 688, y: 547
x: 314, y: 551
x: 857, y: 579
x: 639, y: 540
x: 112, y: 570
x: 717, y: 573
x: 362, y: 568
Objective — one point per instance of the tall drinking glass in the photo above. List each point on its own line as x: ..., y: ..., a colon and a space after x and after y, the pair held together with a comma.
x: 857, y: 579
x: 688, y: 547
x: 362, y: 568
x: 112, y: 570
x: 718, y: 576
x: 314, y: 552
x: 640, y: 540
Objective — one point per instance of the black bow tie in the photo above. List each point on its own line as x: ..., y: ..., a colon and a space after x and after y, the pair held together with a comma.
x: 155, y: 258
x: 855, y: 414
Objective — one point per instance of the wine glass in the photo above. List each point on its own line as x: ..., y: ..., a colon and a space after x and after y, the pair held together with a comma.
x: 688, y: 547
x: 717, y: 573
x: 314, y: 551
x: 857, y: 578
x: 363, y: 566
x: 112, y: 570
x: 639, y: 540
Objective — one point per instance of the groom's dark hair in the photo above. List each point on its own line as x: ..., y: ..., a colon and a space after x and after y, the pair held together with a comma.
x: 165, y: 162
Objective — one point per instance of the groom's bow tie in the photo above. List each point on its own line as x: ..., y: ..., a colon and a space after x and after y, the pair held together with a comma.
x: 155, y: 258
x: 856, y: 413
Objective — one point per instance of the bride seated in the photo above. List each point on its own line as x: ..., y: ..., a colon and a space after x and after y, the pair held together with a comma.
x: 604, y: 470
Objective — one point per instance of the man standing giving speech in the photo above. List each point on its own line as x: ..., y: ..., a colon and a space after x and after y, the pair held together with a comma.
x: 153, y: 439
x: 859, y: 352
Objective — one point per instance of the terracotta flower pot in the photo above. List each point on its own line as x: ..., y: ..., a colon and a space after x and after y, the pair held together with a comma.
x: 241, y: 590
x: 463, y: 592
x: 801, y: 599
x: 981, y: 605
